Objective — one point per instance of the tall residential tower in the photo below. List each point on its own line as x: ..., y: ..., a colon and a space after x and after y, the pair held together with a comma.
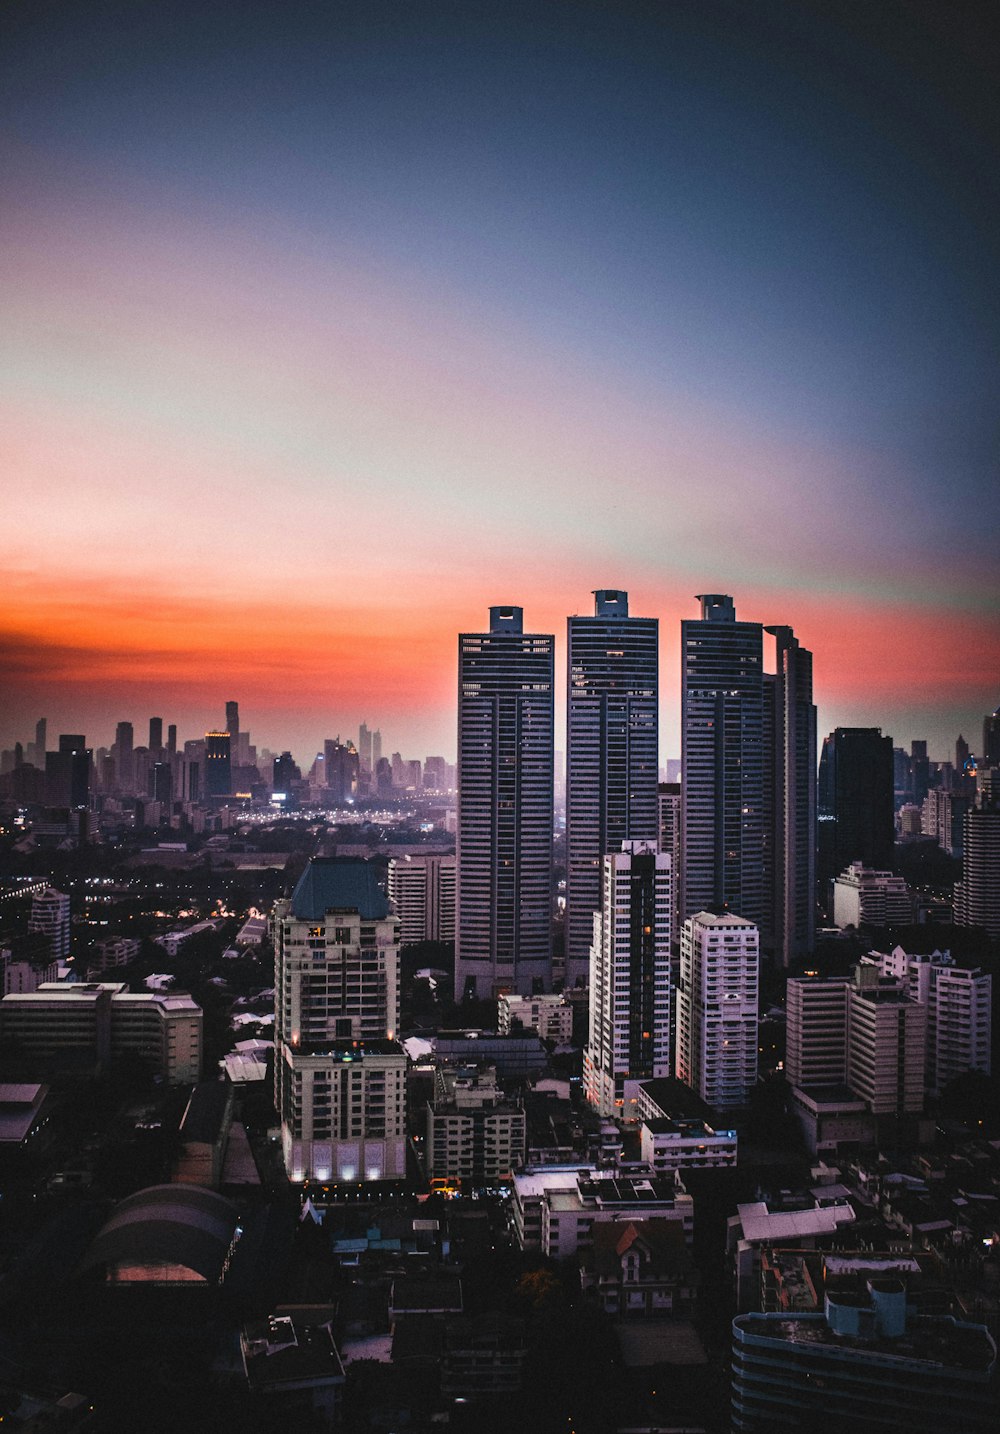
x: 504, y: 837
x: 612, y: 714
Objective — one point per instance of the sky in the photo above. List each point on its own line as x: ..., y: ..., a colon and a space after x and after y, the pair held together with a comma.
x: 326, y: 326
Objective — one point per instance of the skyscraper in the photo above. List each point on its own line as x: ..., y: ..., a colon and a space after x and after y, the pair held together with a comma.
x: 365, y: 749
x: 155, y: 735
x: 991, y: 739
x: 612, y: 714
x: 233, y: 720
x: 218, y: 768
x: 504, y: 836
x: 722, y: 788
x: 629, y: 979
x: 340, y: 770
x: 122, y: 752
x: 855, y: 803
x: 790, y: 793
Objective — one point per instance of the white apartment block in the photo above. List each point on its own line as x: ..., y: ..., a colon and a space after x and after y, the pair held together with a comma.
x: 550, y: 1016
x: 862, y: 895
x: 674, y: 1143
x: 422, y: 892
x: 99, y: 1021
x: 958, y: 1003
x: 717, y: 1008
x: 554, y: 1208
x: 886, y: 1044
x: 50, y: 918
x: 629, y: 980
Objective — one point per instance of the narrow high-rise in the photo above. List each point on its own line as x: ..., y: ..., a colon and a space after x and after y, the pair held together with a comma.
x: 855, y: 803
x: 717, y: 1008
x: 612, y: 714
x: 722, y: 788
x: 790, y: 791
x: 504, y: 835
x: 629, y: 980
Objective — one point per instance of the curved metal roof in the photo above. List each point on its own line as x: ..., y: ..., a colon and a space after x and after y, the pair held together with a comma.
x: 167, y: 1224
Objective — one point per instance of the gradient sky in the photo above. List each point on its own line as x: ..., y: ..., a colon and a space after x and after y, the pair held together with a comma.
x: 326, y: 326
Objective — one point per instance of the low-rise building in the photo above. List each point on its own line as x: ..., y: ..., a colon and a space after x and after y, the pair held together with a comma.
x: 473, y: 1132
x: 556, y: 1208
x: 864, y: 896
x: 550, y: 1016
x: 292, y: 1363
x: 85, y: 1026
x: 641, y: 1268
x: 677, y: 1144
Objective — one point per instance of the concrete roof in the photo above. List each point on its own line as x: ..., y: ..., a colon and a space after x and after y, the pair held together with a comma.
x: 760, y: 1224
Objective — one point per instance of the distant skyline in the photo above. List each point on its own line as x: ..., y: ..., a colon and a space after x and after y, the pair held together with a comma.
x: 325, y: 327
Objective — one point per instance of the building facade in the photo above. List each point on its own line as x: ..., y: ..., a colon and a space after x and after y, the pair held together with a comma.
x: 339, y: 1074
x: 629, y: 1037
x: 864, y: 896
x: 505, y: 809
x: 790, y: 790
x: 422, y: 891
x: 722, y: 758
x: 612, y: 737
x: 717, y: 1008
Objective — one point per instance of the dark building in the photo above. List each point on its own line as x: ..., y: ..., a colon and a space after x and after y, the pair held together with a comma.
x: 612, y: 742
x: 722, y: 785
x: 233, y: 720
x: 67, y: 773
x: 285, y: 772
x: 505, y: 801
x: 172, y: 739
x: 218, y: 769
x: 991, y: 739
x: 790, y: 792
x: 919, y: 770
x: 122, y: 751
x: 856, y: 820
x: 156, y: 735
x: 341, y: 768
x: 161, y: 786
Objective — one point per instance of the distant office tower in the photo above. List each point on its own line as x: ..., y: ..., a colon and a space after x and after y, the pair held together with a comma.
x: 629, y: 980
x: 339, y: 1073
x: 919, y: 770
x: 399, y: 774
x: 67, y: 773
x: 958, y: 1002
x: 855, y: 803
x: 155, y: 735
x: 435, y: 777
x: 422, y: 891
x: 41, y: 740
x: 365, y: 749
x: 341, y: 771
x: 172, y: 739
x: 612, y: 740
x: 717, y: 1012
x: 285, y: 772
x: 962, y: 753
x: 942, y: 817
x: 376, y: 748
x: 504, y: 836
x: 50, y: 918
x: 233, y: 720
x: 790, y: 791
x: 218, y: 769
x: 122, y: 752
x: 722, y: 787
x: 977, y: 895
x: 991, y: 739
x: 161, y: 782
x: 863, y: 897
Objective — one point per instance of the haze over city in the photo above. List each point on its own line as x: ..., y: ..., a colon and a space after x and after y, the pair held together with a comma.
x: 329, y: 326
